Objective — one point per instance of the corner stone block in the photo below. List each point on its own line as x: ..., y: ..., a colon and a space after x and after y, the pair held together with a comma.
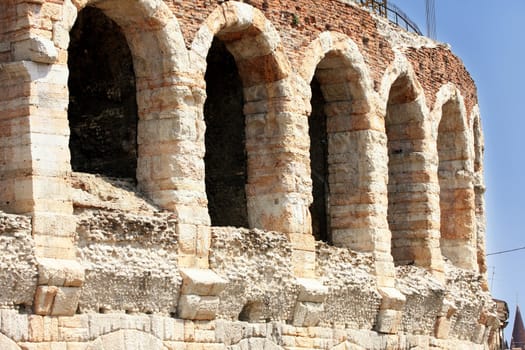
x: 44, y: 298
x: 391, y: 299
x: 307, y: 314
x: 66, y: 301
x: 56, y: 301
x: 58, y: 272
x: 442, y: 327
x: 196, y: 307
x: 388, y: 321
x: 311, y: 290
x: 202, y: 282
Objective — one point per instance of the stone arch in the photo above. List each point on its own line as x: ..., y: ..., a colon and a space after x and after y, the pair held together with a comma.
x: 264, y: 73
x: 454, y: 170
x: 411, y: 205
x: 158, y: 55
x: 127, y: 340
x: 335, y: 62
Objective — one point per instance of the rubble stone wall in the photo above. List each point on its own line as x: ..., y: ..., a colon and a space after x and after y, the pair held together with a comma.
x: 93, y: 262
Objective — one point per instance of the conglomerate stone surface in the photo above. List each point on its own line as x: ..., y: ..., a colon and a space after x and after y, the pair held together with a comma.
x: 159, y: 188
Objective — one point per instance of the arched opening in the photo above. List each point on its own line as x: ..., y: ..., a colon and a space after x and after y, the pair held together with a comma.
x: 319, y: 165
x: 102, y: 109
x: 456, y: 195
x: 335, y: 150
x: 225, y: 140
x: 409, y: 213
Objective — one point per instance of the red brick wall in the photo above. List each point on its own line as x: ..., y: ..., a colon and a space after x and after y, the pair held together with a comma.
x: 437, y: 66
x: 299, y: 22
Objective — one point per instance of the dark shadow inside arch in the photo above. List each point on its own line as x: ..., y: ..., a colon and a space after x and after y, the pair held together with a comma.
x: 102, y: 109
x: 225, y: 140
x: 319, y: 164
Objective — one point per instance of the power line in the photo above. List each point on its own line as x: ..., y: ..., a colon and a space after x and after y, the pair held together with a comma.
x: 430, y: 12
x: 506, y: 251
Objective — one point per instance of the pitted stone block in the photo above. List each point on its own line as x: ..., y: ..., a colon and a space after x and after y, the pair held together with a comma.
x: 311, y: 290
x: 388, y: 321
x: 392, y: 299
x: 201, y: 282
x: 36, y: 49
x: 310, y: 298
x: 56, y: 301
x: 59, y: 272
x: 196, y: 307
x: 199, y: 294
x: 307, y: 314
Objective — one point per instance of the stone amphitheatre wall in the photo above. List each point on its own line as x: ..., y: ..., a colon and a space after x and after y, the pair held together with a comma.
x: 236, y: 175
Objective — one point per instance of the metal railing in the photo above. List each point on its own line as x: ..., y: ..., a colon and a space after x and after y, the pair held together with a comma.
x: 393, y: 13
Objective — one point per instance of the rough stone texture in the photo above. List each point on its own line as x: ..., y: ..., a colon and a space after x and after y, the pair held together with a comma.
x: 348, y: 277
x: 108, y: 263
x: 18, y: 266
x: 128, y: 253
x: 424, y: 299
x: 255, y: 264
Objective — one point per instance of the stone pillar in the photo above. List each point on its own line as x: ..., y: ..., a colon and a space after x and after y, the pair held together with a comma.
x: 38, y: 155
x: 36, y: 158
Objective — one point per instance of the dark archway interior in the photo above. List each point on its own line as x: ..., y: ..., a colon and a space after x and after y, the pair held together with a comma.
x: 319, y: 164
x: 102, y: 98
x: 225, y: 139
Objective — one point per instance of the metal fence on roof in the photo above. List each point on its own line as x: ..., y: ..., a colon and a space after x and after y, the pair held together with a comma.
x: 393, y: 13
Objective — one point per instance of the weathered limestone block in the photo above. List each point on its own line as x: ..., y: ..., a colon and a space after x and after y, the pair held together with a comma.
x: 58, y: 272
x: 202, y: 282
x: 307, y: 314
x: 442, y: 327
x: 199, y: 294
x: 14, y: 325
x: 36, y: 49
x: 196, y: 307
x: 391, y: 299
x: 390, y: 312
x: 56, y: 301
x: 388, y: 321
x: 310, y: 298
x: 311, y: 290
x: 59, y: 290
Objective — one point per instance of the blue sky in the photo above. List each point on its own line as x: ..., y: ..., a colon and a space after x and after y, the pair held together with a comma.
x: 488, y: 36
